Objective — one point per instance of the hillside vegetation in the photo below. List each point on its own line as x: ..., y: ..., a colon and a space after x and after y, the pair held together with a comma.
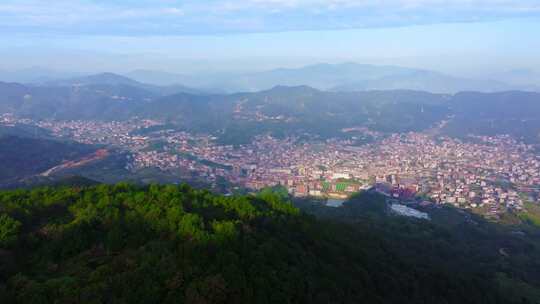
x: 22, y: 157
x: 280, y: 111
x: 174, y: 244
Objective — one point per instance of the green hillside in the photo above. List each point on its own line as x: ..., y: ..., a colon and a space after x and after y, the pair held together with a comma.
x: 174, y: 244
x: 23, y: 157
x: 237, y: 118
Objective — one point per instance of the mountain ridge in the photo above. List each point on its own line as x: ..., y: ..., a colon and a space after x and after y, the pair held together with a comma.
x: 346, y: 76
x: 342, y: 76
x: 285, y: 108
x: 113, y: 79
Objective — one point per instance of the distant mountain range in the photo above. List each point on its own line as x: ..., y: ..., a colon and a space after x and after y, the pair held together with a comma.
x: 336, y: 77
x: 159, y: 78
x: 236, y: 118
x: 524, y: 77
x: 70, y: 102
x: 96, y: 79
x: 111, y: 79
x: 357, y: 77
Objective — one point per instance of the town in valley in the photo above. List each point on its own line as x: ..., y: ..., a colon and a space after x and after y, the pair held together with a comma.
x: 488, y: 174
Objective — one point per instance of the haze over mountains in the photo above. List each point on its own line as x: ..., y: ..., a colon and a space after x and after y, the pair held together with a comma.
x: 270, y: 151
x: 337, y: 77
x: 382, y: 99
x: 282, y: 109
x: 34, y: 75
x: 352, y: 77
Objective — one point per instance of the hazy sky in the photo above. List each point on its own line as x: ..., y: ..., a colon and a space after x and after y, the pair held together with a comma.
x: 460, y: 36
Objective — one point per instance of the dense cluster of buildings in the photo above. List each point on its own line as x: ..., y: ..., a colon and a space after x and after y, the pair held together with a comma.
x: 493, y: 174
x: 96, y: 132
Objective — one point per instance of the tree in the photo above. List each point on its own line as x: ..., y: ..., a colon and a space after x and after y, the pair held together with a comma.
x: 9, y: 230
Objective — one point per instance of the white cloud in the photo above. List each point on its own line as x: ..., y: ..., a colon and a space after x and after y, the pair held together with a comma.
x: 214, y: 16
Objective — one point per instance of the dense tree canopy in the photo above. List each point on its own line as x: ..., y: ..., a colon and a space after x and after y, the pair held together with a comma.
x: 174, y: 244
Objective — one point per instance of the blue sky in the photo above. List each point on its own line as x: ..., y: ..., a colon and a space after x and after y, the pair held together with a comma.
x: 460, y: 36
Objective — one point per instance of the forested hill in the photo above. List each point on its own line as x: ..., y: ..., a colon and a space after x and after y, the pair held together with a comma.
x: 175, y: 244
x: 280, y: 111
x: 22, y: 157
